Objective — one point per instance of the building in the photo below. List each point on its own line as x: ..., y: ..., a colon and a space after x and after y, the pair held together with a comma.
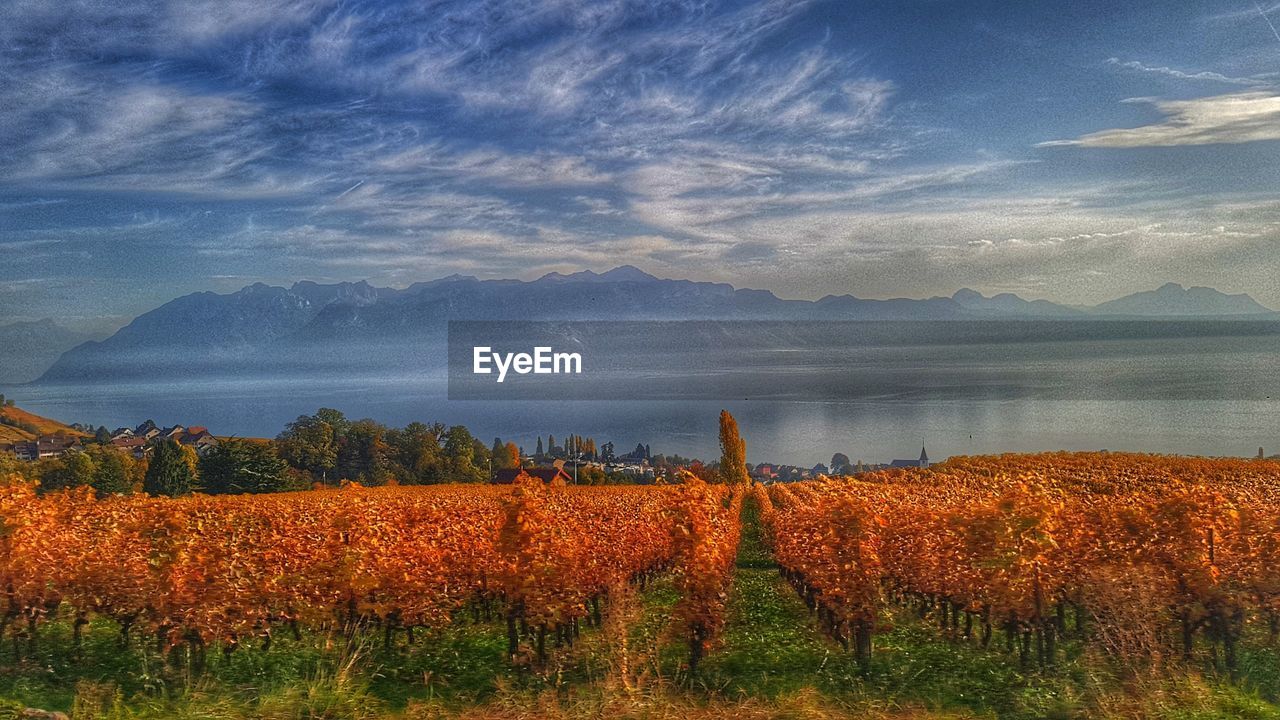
x: 147, y: 430
x: 136, y: 446
x: 199, y: 438
x: 47, y: 446
x: 545, y: 474
x: 764, y: 472
x: 922, y: 462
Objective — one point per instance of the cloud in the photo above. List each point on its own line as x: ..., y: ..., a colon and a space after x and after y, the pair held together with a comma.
x: 1222, y: 119
x: 757, y: 139
x: 494, y: 166
x: 1182, y: 75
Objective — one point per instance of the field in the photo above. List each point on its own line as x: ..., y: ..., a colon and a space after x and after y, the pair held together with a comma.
x: 1057, y: 585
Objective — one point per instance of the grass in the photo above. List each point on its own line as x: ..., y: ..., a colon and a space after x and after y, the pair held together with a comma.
x: 771, y: 663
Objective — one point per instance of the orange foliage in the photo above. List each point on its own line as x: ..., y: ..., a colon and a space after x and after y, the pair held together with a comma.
x: 1012, y: 541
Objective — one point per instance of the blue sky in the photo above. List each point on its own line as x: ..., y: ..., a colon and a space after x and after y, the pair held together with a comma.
x: 1070, y: 151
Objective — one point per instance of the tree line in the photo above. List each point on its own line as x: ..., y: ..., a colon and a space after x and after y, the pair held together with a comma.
x: 326, y: 448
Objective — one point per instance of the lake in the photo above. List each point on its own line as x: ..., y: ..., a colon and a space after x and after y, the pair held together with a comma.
x: 876, y: 392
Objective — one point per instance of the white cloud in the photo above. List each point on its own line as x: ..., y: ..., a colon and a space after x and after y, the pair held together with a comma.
x: 1183, y: 75
x: 1235, y: 118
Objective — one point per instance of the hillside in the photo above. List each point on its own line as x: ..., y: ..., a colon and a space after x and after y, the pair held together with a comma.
x: 17, y: 425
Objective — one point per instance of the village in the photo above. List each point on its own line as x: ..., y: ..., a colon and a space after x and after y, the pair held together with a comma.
x: 136, y: 441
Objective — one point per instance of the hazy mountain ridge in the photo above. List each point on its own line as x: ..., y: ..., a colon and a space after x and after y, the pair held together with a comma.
x: 27, y: 349
x: 1171, y: 299
x: 309, y: 325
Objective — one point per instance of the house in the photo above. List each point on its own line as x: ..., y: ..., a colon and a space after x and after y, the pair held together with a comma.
x: 545, y: 474
x: 47, y: 446
x: 765, y: 471
x: 174, y: 433
x: 123, y: 432
x: 24, y: 451
x: 199, y: 438
x: 922, y: 462
x: 136, y: 446
x: 146, y: 430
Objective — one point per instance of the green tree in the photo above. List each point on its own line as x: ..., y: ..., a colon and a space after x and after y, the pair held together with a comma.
x: 460, y: 456
x: 733, y: 452
x: 481, y: 458
x: 505, y: 455
x: 840, y: 464
x: 102, y: 435
x: 115, y: 472
x: 363, y: 453
x: 310, y: 444
x: 172, y: 470
x: 416, y: 453
x: 241, y: 466
x: 592, y: 475
x: 74, y: 469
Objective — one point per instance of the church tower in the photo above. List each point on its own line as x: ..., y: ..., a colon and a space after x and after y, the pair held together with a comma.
x: 924, y: 457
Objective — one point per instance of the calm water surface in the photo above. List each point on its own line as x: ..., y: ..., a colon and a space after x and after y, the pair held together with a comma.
x: 1214, y: 393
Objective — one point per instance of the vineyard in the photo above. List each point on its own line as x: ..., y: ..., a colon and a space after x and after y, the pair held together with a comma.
x: 224, y: 570
x: 1146, y: 548
x: 1034, y: 566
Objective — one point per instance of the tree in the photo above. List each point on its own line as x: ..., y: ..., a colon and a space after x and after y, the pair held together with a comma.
x: 840, y: 464
x: 74, y: 469
x: 481, y: 458
x: 240, y: 466
x: 172, y: 470
x: 513, y: 455
x: 538, y: 451
x: 115, y: 472
x: 102, y: 435
x: 460, y: 456
x: 502, y: 459
x: 591, y: 475
x: 733, y: 452
x: 363, y: 453
x: 415, y: 451
x: 311, y: 444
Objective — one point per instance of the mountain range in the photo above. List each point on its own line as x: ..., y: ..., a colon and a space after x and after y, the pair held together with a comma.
x: 345, y: 326
x: 27, y: 349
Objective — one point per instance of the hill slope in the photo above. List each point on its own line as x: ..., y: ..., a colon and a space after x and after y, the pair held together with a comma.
x: 18, y: 425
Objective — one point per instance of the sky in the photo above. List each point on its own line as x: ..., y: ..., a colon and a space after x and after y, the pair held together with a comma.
x: 1069, y: 151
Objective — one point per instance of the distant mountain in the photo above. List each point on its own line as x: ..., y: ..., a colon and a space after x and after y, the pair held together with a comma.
x: 1006, y: 304
x: 622, y: 273
x: 27, y: 349
x: 348, y: 327
x: 1173, y: 300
